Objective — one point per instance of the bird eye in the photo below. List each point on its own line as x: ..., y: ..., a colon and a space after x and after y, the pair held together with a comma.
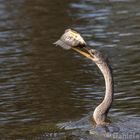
x: 92, y: 51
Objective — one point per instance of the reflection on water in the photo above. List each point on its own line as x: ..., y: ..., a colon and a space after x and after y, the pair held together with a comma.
x: 42, y: 85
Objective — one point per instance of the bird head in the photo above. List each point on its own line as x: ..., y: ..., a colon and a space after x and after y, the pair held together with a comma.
x: 96, y: 56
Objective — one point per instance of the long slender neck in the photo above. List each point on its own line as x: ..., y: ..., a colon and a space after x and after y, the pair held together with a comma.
x: 100, y: 112
x: 102, y: 109
x: 107, y: 73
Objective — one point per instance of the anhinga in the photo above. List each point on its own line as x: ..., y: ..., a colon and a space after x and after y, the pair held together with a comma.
x: 73, y: 40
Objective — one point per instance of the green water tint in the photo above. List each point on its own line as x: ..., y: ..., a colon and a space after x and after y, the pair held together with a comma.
x: 32, y: 131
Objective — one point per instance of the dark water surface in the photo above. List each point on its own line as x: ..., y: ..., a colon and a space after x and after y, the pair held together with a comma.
x: 49, y: 93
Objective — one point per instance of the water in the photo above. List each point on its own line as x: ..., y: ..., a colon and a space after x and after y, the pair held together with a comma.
x: 47, y: 92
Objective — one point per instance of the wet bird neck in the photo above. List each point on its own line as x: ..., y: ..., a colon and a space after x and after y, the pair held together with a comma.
x: 107, y: 73
x: 102, y: 109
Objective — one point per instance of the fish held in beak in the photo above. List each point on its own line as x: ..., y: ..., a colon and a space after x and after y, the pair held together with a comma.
x: 70, y: 39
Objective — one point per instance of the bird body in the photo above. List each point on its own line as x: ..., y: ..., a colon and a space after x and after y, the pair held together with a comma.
x: 101, y: 111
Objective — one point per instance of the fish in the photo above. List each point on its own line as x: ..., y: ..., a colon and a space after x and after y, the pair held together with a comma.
x: 69, y: 39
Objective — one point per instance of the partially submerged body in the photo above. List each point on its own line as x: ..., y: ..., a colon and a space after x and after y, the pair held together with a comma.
x: 72, y: 40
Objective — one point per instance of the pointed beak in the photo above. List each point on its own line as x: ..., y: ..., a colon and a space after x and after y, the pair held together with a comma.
x: 87, y: 54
